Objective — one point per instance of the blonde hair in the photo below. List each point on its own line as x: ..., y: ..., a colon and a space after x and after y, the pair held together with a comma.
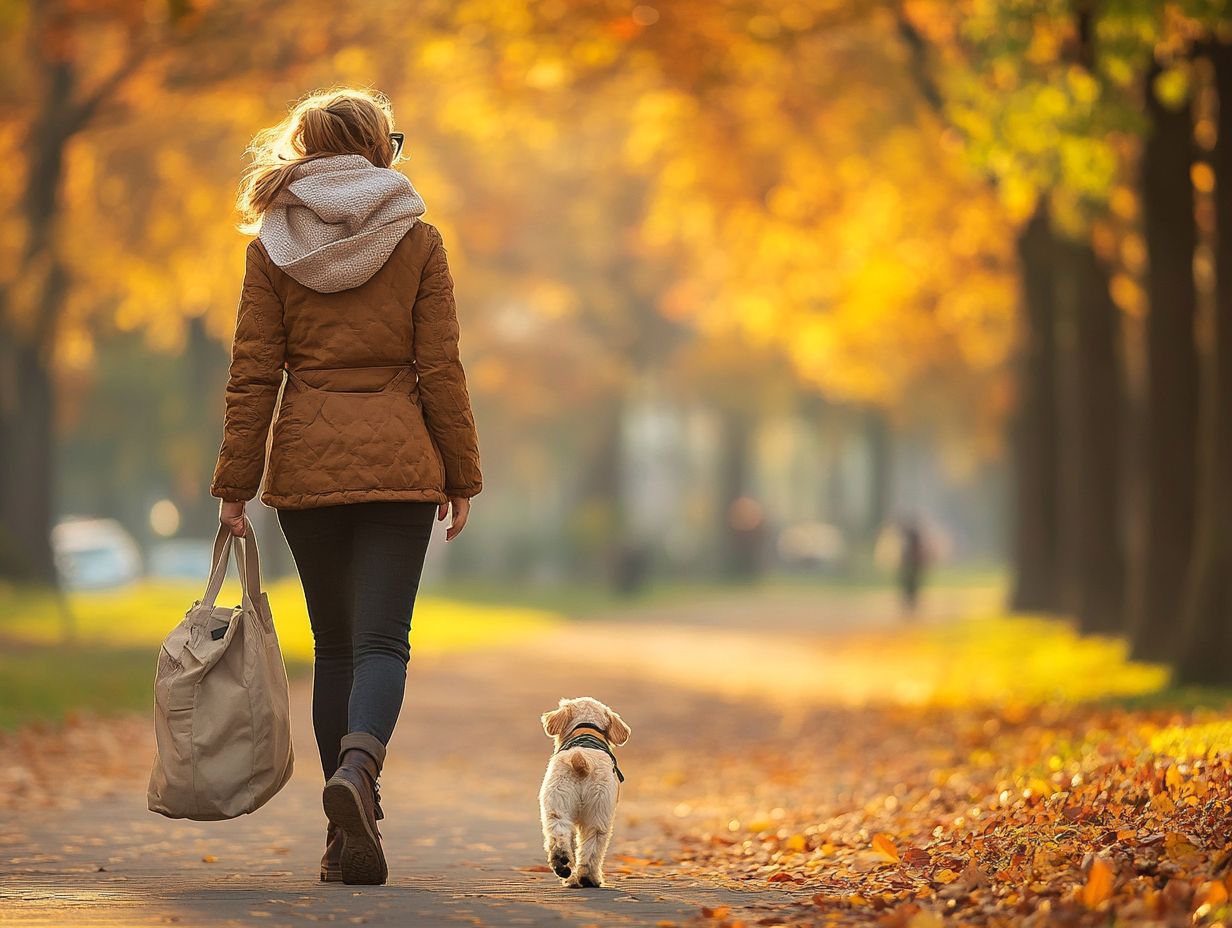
x: 343, y: 121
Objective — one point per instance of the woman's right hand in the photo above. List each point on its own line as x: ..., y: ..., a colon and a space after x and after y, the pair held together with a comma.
x: 461, y: 509
x: 231, y: 514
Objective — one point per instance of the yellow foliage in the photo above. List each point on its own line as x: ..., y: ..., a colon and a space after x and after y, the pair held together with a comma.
x: 758, y: 176
x: 1172, y: 86
x: 140, y: 616
x: 1193, y: 742
x: 1008, y: 662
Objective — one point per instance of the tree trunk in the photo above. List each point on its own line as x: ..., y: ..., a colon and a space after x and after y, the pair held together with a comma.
x: 743, y: 519
x: 599, y: 530
x: 879, y: 441
x: 1093, y: 568
x: 1172, y: 382
x: 1203, y: 653
x: 27, y: 472
x: 26, y: 465
x: 1034, y: 429
x: 204, y: 370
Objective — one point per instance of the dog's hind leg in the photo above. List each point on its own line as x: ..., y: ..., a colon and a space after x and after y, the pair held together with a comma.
x: 558, y: 842
x: 592, y: 850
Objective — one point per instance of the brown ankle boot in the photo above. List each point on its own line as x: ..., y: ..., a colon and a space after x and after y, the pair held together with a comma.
x: 352, y: 803
x: 331, y: 862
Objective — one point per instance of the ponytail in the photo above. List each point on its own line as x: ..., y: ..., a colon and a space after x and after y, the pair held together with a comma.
x: 333, y: 122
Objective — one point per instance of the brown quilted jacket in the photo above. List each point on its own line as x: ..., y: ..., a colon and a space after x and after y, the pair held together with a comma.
x: 375, y: 405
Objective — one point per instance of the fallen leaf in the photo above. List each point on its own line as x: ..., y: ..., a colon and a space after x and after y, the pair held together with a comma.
x: 1179, y: 846
x: 1098, y: 888
x: 884, y: 845
x: 973, y: 876
x: 1042, y: 788
x: 1210, y: 893
x: 916, y: 857
x: 1173, y: 778
x: 1163, y: 804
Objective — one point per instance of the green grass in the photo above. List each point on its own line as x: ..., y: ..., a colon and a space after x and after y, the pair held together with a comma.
x: 585, y: 600
x: 579, y: 600
x: 101, y: 657
x: 1004, y: 661
x: 141, y: 615
x: 107, y: 666
x: 1183, y: 698
x: 39, y: 683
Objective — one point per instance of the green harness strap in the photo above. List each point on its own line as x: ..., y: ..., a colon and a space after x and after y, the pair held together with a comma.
x: 585, y: 740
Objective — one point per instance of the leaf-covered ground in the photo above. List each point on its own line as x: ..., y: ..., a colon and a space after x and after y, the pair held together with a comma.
x: 987, y: 772
x: 1044, y: 816
x: 1040, y: 780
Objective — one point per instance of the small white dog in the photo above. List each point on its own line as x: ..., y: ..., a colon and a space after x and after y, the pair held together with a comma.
x: 580, y: 788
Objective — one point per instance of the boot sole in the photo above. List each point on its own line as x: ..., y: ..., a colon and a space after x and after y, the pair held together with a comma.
x: 363, y: 861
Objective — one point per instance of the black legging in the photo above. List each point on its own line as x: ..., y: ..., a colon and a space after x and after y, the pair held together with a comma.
x: 359, y: 565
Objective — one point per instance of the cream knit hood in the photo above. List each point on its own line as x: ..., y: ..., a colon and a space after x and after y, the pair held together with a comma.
x: 337, y: 222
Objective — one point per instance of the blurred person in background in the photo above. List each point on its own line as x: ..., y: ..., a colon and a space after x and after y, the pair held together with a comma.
x: 913, y: 560
x: 348, y: 291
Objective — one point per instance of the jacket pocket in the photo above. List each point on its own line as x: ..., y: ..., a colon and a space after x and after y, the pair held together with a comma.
x: 288, y: 458
x: 437, y: 460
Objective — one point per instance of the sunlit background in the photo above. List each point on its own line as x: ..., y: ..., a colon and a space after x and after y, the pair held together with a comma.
x: 775, y: 314
x: 752, y: 294
x: 749, y: 292
x: 712, y: 283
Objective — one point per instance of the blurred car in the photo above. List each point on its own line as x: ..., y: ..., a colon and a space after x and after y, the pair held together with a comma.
x: 94, y: 554
x: 180, y: 559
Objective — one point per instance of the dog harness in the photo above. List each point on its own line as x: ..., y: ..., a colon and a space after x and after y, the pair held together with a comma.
x: 586, y: 740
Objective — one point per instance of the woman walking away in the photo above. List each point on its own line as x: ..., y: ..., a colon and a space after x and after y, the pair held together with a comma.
x: 348, y: 292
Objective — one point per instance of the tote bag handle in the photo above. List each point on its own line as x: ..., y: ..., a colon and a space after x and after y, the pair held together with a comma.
x: 247, y: 562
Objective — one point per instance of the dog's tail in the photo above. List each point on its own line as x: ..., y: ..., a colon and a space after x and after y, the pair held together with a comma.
x: 578, y: 762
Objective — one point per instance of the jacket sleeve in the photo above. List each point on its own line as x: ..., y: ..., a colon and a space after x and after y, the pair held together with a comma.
x: 257, y: 355
x: 442, y: 382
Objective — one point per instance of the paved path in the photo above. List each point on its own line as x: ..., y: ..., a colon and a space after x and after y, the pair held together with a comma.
x: 460, y: 791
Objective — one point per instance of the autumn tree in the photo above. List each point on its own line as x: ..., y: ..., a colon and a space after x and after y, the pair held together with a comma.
x: 88, y: 69
x: 1207, y: 615
x: 818, y: 203
x: 1021, y: 88
x: 1171, y: 403
x: 76, y: 64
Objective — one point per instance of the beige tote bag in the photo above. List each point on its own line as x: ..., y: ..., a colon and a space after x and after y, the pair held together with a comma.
x: 221, y: 713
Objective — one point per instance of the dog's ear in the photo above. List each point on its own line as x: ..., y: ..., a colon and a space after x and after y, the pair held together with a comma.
x: 555, y: 722
x: 617, y: 729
